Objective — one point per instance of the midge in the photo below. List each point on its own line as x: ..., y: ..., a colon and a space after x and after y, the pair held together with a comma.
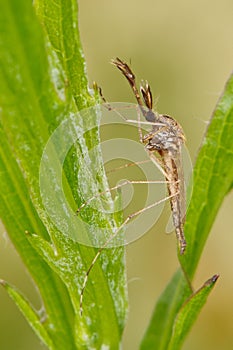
x: 163, y: 144
x: 166, y: 139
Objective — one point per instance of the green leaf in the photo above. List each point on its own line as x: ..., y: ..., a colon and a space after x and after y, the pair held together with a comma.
x: 23, y: 67
x: 42, y: 86
x: 29, y: 313
x: 59, y: 19
x: 189, y: 312
x: 169, y: 303
x: 212, y: 178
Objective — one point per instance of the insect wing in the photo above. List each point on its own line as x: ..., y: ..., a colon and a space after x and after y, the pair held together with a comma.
x: 184, y: 170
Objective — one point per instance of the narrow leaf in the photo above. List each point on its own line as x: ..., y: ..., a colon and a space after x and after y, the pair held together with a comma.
x: 29, y: 313
x: 23, y: 76
x: 169, y: 303
x: 189, y: 312
x: 212, y: 178
x: 43, y: 84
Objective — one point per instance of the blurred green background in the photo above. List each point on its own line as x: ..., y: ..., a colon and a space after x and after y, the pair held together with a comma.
x: 185, y: 50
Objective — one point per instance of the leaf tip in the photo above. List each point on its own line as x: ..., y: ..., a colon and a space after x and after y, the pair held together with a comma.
x: 3, y: 283
x: 215, y: 278
x: 212, y: 280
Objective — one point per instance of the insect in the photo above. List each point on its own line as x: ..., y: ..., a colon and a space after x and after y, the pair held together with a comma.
x: 163, y: 144
x: 165, y: 138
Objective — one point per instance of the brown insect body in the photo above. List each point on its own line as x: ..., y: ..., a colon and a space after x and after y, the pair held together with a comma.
x: 166, y: 138
x: 167, y: 141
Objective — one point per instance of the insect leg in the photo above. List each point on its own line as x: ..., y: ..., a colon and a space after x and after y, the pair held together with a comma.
x: 126, y: 182
x: 129, y: 217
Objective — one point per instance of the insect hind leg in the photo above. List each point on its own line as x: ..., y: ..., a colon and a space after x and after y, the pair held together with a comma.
x: 125, y: 222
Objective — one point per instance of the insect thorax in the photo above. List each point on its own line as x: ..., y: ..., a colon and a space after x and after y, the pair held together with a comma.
x: 170, y: 136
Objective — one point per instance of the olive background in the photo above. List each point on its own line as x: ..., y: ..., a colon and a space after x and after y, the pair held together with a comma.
x: 185, y: 50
